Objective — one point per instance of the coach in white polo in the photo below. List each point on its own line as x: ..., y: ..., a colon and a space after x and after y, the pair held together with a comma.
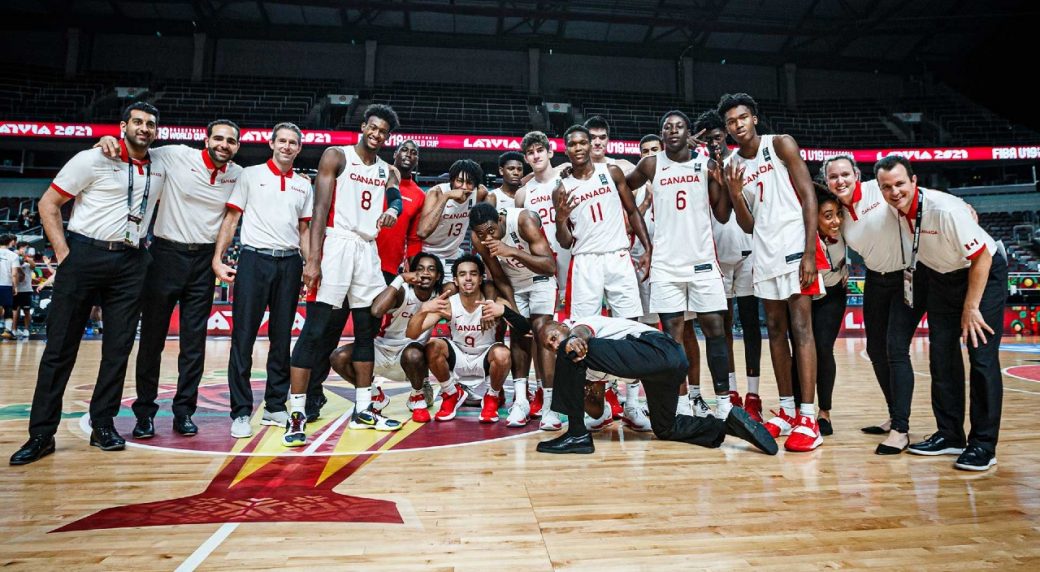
x: 967, y: 291
x: 101, y: 259
x: 198, y: 184
x: 275, y: 206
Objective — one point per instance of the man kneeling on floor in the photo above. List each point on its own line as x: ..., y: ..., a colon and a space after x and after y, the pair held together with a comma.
x: 631, y: 350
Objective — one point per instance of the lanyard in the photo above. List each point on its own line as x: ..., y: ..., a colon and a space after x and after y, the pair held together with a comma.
x: 130, y: 189
x: 917, y: 229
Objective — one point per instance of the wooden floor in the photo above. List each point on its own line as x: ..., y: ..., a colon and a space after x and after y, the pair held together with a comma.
x: 470, y: 497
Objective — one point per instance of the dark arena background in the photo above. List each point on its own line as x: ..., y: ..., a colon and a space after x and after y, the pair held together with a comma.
x: 922, y: 79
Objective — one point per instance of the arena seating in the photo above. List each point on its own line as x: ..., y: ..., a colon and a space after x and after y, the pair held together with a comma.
x: 444, y: 107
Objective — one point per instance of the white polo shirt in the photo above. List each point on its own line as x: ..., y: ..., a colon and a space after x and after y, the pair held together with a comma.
x: 871, y: 228
x: 610, y: 328
x: 99, y: 186
x: 194, y: 195
x: 272, y: 206
x: 837, y: 260
x: 950, y: 237
x: 8, y: 261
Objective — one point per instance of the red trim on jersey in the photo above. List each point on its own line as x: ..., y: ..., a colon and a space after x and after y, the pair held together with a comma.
x: 212, y: 167
x: 62, y: 191
x: 815, y: 288
x: 566, y: 312
x: 281, y: 176
x: 976, y: 254
x: 305, y: 219
x: 233, y: 207
x: 329, y: 222
x: 124, y: 156
x: 857, y: 195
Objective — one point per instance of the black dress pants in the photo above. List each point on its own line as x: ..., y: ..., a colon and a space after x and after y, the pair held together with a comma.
x: 890, y: 325
x: 653, y: 358
x: 986, y: 386
x: 87, y: 275
x: 176, y: 275
x: 263, y: 283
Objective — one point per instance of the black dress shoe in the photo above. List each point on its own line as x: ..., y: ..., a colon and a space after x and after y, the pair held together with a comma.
x: 826, y: 429
x: 144, y: 429
x: 185, y: 426
x: 874, y: 430
x: 937, y: 445
x: 883, y: 449
x: 741, y: 425
x: 33, y: 450
x: 568, y: 444
x: 975, y: 458
x: 107, y: 439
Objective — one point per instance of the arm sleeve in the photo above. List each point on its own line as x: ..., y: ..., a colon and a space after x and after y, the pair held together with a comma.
x: 519, y: 323
x: 393, y: 199
x: 77, y: 174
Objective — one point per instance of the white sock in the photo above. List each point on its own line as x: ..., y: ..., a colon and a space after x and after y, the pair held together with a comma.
x: 492, y: 392
x: 414, y: 392
x: 752, y: 384
x: 808, y: 410
x: 448, y: 387
x: 520, y: 390
x: 362, y: 399
x: 538, y: 385
x: 632, y: 397
x: 787, y: 404
x: 732, y: 381
x: 546, y: 399
x: 695, y: 391
x: 722, y: 405
x: 8, y: 324
x: 297, y: 402
x: 101, y: 324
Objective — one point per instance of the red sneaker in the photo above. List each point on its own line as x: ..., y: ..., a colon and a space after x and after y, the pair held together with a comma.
x: 781, y: 424
x: 450, y: 404
x: 616, y: 410
x: 734, y: 399
x: 753, y: 406
x: 537, y: 402
x: 805, y: 436
x: 489, y: 409
x: 379, y: 399
x: 420, y: 412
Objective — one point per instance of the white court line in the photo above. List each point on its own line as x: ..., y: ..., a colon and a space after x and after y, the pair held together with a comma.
x: 207, y: 548
x: 328, y: 432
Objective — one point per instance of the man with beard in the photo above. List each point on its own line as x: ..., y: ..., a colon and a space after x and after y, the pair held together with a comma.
x: 198, y: 185
x: 114, y: 203
x: 400, y: 243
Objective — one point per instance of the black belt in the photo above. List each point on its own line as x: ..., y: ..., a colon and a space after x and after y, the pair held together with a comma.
x: 111, y: 245
x: 184, y: 247
x: 885, y: 274
x: 273, y: 252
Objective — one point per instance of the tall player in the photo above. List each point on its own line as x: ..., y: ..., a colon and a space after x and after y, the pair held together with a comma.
x: 774, y: 199
x: 536, y: 196
x: 511, y: 168
x: 349, y: 195
x: 514, y: 248
x: 445, y: 215
x: 471, y: 362
x: 734, y: 251
x: 684, y: 275
x: 599, y: 139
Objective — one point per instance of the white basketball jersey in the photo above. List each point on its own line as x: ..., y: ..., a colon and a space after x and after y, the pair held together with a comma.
x: 609, y: 328
x: 779, y: 235
x: 648, y: 219
x: 395, y: 322
x: 520, y: 276
x: 539, y: 200
x: 597, y: 221
x: 357, y: 200
x: 465, y: 328
x: 731, y: 242
x: 446, y: 240
x: 502, y: 200
x: 684, y: 248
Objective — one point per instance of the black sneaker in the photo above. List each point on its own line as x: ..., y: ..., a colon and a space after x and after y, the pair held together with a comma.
x: 936, y: 445
x: 741, y: 425
x: 975, y: 458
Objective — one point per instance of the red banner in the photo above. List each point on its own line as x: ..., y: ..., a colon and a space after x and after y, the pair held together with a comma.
x: 187, y: 134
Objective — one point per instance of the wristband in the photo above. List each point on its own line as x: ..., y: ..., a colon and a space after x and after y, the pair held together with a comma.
x: 397, y: 282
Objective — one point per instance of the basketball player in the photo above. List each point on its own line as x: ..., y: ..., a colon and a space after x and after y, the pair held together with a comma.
x: 274, y: 205
x: 685, y: 276
x: 767, y: 179
x: 349, y: 195
x: 629, y: 349
x: 114, y: 202
x: 648, y: 145
x: 445, y: 215
x: 536, y: 195
x: 400, y: 243
x: 519, y: 260
x: 9, y: 265
x: 397, y: 357
x: 470, y: 363
x: 511, y: 168
x: 733, y: 246
x: 599, y: 139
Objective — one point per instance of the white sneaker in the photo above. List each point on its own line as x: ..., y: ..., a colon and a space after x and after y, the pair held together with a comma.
x: 599, y: 424
x: 684, y: 407
x: 369, y: 419
x: 550, y: 420
x: 276, y: 418
x: 700, y: 407
x: 519, y: 413
x: 379, y: 399
x: 240, y: 428
x: 635, y: 418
